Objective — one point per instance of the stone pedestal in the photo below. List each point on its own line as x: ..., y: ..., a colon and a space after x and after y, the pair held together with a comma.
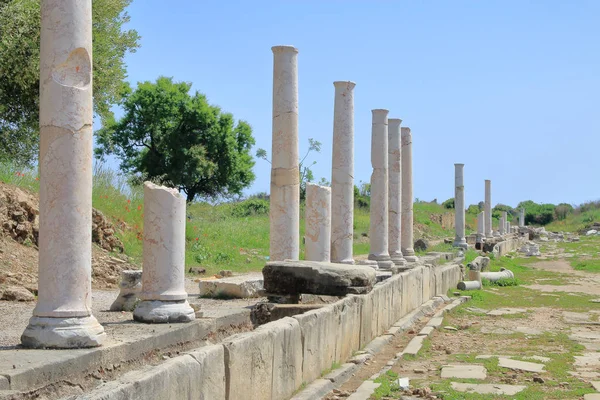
x: 522, y: 217
x: 459, y: 206
x: 318, y: 223
x: 480, y: 227
x: 63, y: 316
x: 488, y: 209
x: 163, y: 296
x: 342, y: 174
x: 285, y: 181
x: 378, y: 231
x: 406, y: 237
x: 394, y: 191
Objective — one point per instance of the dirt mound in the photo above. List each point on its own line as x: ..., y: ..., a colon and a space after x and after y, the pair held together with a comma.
x: 19, y: 227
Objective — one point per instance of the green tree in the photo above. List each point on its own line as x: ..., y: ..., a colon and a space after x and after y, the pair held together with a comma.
x: 19, y: 69
x: 178, y: 139
x: 449, y: 204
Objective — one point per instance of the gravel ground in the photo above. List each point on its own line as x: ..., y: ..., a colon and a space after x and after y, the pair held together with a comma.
x: 14, y: 316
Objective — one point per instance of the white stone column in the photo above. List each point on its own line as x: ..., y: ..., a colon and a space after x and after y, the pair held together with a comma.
x: 378, y: 231
x: 63, y: 316
x: 342, y: 174
x: 505, y: 219
x: 285, y: 180
x: 488, y: 209
x: 522, y: 217
x: 480, y: 227
x: 406, y: 238
x: 508, y: 227
x: 501, y: 226
x: 163, y: 296
x: 318, y: 223
x: 459, y: 206
x: 394, y: 191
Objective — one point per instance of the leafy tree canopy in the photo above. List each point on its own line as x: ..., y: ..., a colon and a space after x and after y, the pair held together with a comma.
x: 180, y: 140
x: 20, y: 64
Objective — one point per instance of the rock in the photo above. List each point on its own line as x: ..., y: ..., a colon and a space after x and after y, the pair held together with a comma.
x: 197, y: 270
x: 450, y: 328
x: 241, y: 287
x: 226, y: 273
x: 530, y: 249
x: 16, y: 293
x: 421, y: 245
x: 131, y: 286
x: 311, y: 277
x: 538, y: 379
x: 419, y: 370
x: 591, y: 232
x: 479, y: 263
x: 103, y: 233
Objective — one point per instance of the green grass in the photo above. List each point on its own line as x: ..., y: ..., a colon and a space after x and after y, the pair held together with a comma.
x: 215, y: 238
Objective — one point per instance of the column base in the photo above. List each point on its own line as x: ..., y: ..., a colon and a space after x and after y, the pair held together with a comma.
x: 385, y: 265
x: 398, y: 259
x: 162, y: 312
x: 368, y: 263
x: 461, y: 243
x: 347, y: 262
x: 63, y: 333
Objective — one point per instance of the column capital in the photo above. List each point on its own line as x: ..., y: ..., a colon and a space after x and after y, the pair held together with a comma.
x: 344, y: 84
x: 284, y: 49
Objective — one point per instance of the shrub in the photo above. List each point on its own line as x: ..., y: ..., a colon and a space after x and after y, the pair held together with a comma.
x: 449, y: 204
x: 250, y: 207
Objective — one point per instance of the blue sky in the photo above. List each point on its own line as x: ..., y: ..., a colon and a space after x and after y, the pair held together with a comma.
x: 510, y: 88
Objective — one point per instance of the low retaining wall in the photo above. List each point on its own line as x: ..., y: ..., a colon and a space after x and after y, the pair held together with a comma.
x: 510, y: 244
x: 277, y: 358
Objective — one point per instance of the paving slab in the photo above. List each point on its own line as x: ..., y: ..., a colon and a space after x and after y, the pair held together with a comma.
x: 464, y: 371
x: 426, y: 331
x: 588, y: 360
x: 591, y: 396
x: 539, y: 358
x: 596, y: 385
x: 506, y: 311
x: 414, y: 345
x: 436, y: 322
x: 520, y: 365
x: 488, y: 356
x: 364, y: 391
x: 528, y: 330
x: 488, y: 388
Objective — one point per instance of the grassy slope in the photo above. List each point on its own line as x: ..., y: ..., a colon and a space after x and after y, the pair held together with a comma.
x: 215, y: 239
x: 575, y: 221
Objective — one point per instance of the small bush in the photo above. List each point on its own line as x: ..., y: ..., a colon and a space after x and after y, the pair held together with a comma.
x: 250, y: 207
x: 223, y: 258
x: 500, y: 282
x: 449, y: 204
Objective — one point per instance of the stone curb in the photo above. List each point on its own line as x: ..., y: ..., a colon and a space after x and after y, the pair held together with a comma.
x: 341, y: 375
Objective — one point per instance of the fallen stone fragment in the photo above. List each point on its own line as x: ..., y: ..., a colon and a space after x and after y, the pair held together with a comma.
x: 487, y: 388
x: 496, y: 276
x: 130, y: 288
x: 312, y: 277
x: 528, y: 330
x: 464, y: 371
x: 520, y: 365
x: 16, y: 293
x: 450, y: 328
x: 364, y: 391
x: 469, y: 285
x: 596, y: 385
x: 197, y: 270
x: 506, y: 311
x: 591, y: 396
x: 240, y: 287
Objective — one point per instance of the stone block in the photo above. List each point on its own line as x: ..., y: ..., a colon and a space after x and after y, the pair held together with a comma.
x: 464, y: 371
x: 242, y: 286
x: 286, y: 337
x: 520, y: 365
x: 487, y: 388
x: 212, y: 372
x: 347, y: 320
x: 318, y: 341
x: 311, y: 277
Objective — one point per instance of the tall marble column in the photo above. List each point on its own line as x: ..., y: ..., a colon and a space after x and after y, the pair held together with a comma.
x: 285, y: 181
x: 459, y: 206
x: 342, y: 174
x: 406, y: 237
x: 394, y: 191
x: 522, y: 217
x: 163, y: 296
x: 480, y: 227
x: 318, y: 223
x: 378, y: 231
x: 488, y: 209
x: 63, y: 316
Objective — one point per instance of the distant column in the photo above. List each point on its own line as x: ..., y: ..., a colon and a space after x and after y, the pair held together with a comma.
x: 378, y: 231
x: 342, y: 174
x: 394, y: 191
x: 318, y: 223
x: 501, y: 226
x: 488, y: 209
x: 63, y: 316
x: 508, y: 227
x: 407, y: 197
x: 522, y: 217
x: 480, y: 227
x: 285, y: 180
x: 459, y: 206
x: 505, y: 218
x: 163, y: 296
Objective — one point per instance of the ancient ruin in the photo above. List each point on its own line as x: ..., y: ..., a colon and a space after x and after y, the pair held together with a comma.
x: 488, y: 209
x: 342, y: 174
x: 394, y: 191
x: 62, y: 317
x: 318, y: 223
x: 285, y: 183
x: 163, y: 296
x: 459, y: 206
x: 406, y: 236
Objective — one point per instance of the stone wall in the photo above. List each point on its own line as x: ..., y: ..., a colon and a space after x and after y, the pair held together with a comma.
x: 511, y: 243
x: 274, y: 360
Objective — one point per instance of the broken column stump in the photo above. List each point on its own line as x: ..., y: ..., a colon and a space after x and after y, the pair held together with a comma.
x: 292, y: 278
